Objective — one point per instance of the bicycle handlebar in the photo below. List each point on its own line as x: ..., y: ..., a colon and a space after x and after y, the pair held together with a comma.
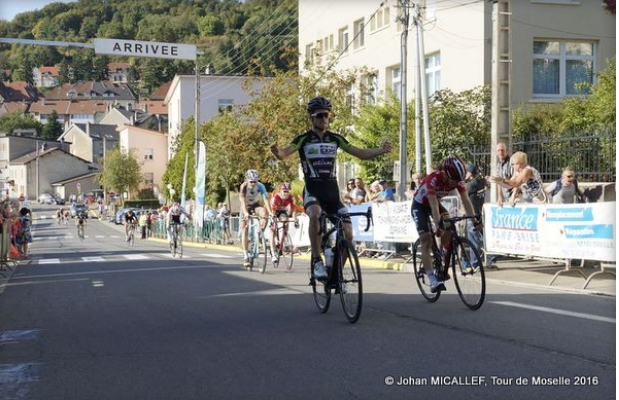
x: 367, y: 215
x: 457, y: 219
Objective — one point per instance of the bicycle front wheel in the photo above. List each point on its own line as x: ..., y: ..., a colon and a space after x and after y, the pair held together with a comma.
x: 321, y: 291
x: 350, y: 284
x: 286, y: 257
x: 263, y: 252
x: 468, y: 272
x: 420, y: 275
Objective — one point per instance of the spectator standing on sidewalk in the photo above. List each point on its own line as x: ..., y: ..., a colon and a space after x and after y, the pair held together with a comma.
x: 358, y: 193
x: 347, y: 193
x: 565, y: 189
x: 476, y: 188
x: 142, y: 223
x: 526, y: 179
x: 504, y: 171
x: 224, y: 222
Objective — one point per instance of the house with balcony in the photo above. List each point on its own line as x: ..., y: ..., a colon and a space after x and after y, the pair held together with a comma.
x: 45, y: 76
x: 118, y: 72
x: 106, y: 92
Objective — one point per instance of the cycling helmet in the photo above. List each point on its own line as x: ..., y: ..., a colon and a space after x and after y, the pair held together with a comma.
x: 284, y: 186
x: 318, y: 103
x: 455, y: 168
x: 252, y: 175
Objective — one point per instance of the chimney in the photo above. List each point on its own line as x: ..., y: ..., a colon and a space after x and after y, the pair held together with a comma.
x: 43, y: 100
x: 132, y: 119
x: 88, y: 128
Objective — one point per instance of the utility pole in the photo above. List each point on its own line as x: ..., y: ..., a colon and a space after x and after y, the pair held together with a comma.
x: 37, y: 170
x: 416, y: 21
x: 424, y: 92
x: 404, y: 4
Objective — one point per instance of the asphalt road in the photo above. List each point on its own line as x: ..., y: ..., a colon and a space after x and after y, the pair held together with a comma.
x: 96, y: 319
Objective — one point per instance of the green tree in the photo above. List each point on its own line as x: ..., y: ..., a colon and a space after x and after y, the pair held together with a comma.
x: 210, y: 25
x: 24, y: 70
x: 53, y: 128
x: 183, y: 146
x: 100, y: 70
x: 121, y: 172
x: 11, y: 122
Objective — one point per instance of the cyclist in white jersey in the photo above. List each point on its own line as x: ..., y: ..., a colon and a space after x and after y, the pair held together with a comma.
x: 174, y: 218
x: 254, y: 200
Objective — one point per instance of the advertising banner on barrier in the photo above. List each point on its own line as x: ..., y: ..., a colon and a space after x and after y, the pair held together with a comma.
x: 576, y: 231
x: 393, y: 222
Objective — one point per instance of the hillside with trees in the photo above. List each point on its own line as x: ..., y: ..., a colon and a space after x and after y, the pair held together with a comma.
x: 237, y: 38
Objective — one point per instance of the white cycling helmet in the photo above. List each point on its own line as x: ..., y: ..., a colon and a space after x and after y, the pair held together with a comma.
x: 252, y: 175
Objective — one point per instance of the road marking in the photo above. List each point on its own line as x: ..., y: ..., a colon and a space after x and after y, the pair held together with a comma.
x: 171, y: 256
x: 42, y: 217
x: 136, y: 257
x: 99, y: 236
x: 50, y: 261
x: 270, y: 292
x: 213, y: 255
x: 68, y: 237
x: 115, y: 271
x: 556, y: 311
x: 53, y: 237
x: 17, y: 335
x: 37, y: 238
x: 93, y: 259
x: 115, y: 237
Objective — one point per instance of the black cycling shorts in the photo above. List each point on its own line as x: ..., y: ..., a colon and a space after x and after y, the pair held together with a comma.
x: 422, y: 213
x: 325, y: 193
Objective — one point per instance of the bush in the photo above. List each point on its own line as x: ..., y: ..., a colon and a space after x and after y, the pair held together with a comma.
x: 146, y: 203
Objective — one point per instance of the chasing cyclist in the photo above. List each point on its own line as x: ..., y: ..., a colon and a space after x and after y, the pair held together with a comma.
x: 131, y: 220
x: 283, y: 208
x: 81, y: 224
x: 254, y: 200
x: 318, y: 149
x: 426, y: 203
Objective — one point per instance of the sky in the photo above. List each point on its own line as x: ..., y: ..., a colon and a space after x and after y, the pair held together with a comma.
x: 9, y: 8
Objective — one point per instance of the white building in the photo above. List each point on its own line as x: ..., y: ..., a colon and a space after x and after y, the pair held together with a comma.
x: 554, y: 44
x: 217, y: 93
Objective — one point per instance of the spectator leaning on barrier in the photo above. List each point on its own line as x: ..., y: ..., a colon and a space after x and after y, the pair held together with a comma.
x: 372, y: 194
x: 358, y: 193
x: 504, y: 171
x: 386, y: 193
x: 565, y: 189
x: 347, y: 194
x: 526, y: 179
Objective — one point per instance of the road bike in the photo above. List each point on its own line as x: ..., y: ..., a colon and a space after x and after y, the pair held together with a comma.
x: 344, y: 273
x: 176, y: 242
x: 131, y: 236
x: 80, y: 231
x: 257, y: 245
x: 465, y: 262
x: 283, y: 249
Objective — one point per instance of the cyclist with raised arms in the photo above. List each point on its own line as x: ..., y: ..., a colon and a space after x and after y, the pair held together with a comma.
x: 254, y: 200
x: 426, y: 203
x: 318, y: 150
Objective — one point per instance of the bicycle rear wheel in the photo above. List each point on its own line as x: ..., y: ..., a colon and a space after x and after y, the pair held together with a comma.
x: 420, y: 274
x: 286, y: 256
x: 350, y: 284
x: 468, y: 272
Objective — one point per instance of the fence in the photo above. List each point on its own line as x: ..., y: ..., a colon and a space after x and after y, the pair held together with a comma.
x: 211, y: 232
x: 592, y: 155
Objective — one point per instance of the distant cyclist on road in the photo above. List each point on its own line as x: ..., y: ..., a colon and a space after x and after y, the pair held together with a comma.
x: 318, y: 150
x: 254, y: 200
x: 426, y: 203
x: 80, y: 223
x: 174, y: 218
x: 282, y: 205
x: 130, y: 220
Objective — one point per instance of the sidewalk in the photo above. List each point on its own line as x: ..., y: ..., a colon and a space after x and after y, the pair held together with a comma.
x: 515, y: 272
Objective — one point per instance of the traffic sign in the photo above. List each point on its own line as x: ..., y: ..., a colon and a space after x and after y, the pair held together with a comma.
x: 135, y: 48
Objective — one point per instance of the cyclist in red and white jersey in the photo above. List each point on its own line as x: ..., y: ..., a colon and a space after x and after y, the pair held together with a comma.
x: 283, y: 206
x: 426, y: 203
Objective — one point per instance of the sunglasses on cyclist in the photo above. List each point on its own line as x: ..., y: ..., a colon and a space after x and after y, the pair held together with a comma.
x: 321, y: 115
x: 253, y: 181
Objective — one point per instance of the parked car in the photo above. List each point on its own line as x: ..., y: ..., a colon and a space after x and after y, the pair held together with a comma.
x: 59, y: 200
x: 78, y: 208
x: 46, y: 198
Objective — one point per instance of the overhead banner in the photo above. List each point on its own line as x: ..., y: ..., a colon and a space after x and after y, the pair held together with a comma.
x: 200, y: 184
x: 574, y: 231
x: 135, y: 48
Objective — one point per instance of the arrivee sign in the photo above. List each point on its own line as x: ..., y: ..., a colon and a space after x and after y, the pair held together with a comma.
x: 133, y: 48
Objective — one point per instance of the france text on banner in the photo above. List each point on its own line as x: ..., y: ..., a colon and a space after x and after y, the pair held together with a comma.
x: 576, y: 231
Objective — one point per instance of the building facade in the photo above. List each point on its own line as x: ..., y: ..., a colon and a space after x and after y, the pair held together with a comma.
x: 217, y: 93
x: 550, y: 55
